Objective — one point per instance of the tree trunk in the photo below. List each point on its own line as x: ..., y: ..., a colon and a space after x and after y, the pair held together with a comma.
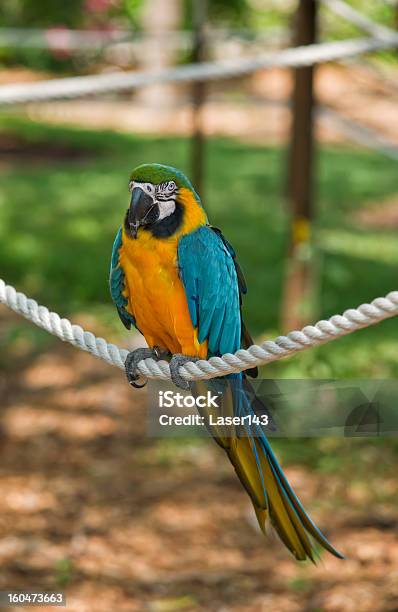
x: 199, y: 13
x: 298, y: 299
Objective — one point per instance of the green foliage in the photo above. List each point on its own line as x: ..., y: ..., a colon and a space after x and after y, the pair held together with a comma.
x: 229, y: 12
x: 132, y: 10
x: 30, y: 13
x: 42, y: 14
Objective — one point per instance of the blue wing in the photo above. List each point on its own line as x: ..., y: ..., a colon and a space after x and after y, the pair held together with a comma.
x: 116, y: 283
x: 209, y: 274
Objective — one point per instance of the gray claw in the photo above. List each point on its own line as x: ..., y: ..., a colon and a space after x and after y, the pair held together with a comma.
x: 176, y: 362
x: 132, y: 361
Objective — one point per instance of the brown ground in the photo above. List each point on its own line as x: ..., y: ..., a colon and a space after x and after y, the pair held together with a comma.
x: 123, y: 522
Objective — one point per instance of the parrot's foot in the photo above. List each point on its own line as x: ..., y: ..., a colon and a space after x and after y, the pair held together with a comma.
x: 133, y: 359
x: 176, y: 362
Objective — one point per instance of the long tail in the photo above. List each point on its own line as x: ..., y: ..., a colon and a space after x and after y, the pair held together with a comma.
x: 261, y: 475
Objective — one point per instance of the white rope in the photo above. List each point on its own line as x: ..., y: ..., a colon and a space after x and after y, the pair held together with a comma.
x: 75, y: 87
x: 257, y: 355
x: 351, y: 129
x: 360, y: 21
x: 357, y: 132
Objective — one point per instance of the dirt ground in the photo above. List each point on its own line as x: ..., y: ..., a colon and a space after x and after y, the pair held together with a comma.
x: 125, y: 522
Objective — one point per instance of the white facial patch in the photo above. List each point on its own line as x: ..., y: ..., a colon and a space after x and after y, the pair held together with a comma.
x: 146, y: 187
x: 166, y: 209
x: 166, y: 194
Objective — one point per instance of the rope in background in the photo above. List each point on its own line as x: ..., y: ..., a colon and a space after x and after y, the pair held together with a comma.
x: 347, y: 12
x: 75, y: 87
x: 257, y: 355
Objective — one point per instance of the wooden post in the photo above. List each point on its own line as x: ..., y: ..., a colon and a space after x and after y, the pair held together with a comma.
x: 298, y: 294
x: 199, y: 16
x: 158, y: 19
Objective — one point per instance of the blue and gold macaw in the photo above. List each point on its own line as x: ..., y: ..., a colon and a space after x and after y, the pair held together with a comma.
x: 176, y: 279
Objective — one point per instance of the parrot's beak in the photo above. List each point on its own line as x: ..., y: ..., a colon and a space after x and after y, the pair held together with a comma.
x: 141, y: 210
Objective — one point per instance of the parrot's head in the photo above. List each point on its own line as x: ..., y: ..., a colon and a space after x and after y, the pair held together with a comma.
x: 163, y: 201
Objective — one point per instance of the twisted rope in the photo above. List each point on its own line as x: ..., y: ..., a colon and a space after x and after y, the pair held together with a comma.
x: 76, y: 87
x: 257, y: 355
x: 347, y: 12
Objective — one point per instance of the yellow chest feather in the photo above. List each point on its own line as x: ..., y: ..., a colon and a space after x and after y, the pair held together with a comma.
x: 156, y: 295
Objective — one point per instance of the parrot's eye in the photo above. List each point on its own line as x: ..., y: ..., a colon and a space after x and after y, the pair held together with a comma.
x: 149, y: 187
x: 171, y: 186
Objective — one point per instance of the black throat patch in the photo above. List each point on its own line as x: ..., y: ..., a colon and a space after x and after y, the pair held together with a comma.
x: 169, y: 225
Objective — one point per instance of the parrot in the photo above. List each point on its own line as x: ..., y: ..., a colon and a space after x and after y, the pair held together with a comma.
x: 176, y: 279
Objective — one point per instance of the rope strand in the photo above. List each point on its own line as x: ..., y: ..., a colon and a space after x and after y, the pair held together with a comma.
x: 271, y: 350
